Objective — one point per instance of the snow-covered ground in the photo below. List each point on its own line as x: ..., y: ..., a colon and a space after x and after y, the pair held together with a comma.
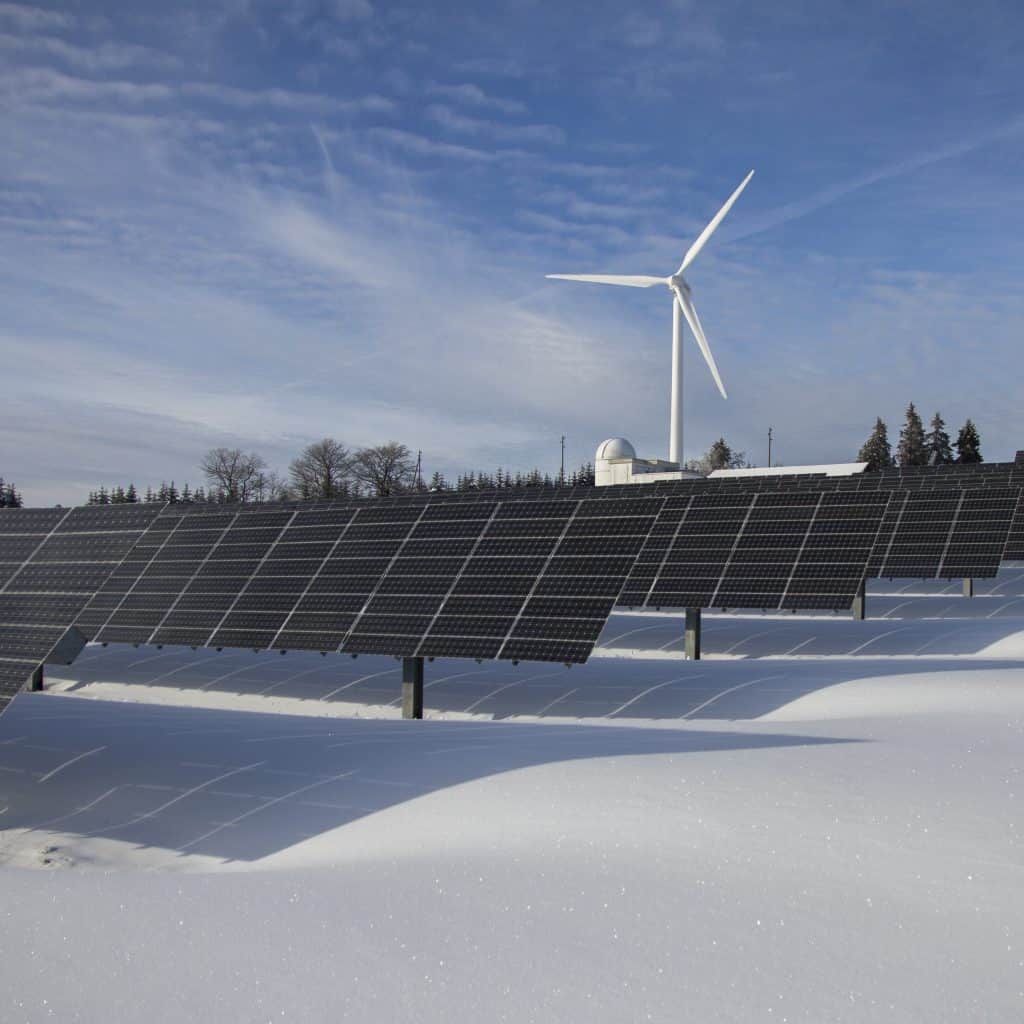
x: 819, y: 822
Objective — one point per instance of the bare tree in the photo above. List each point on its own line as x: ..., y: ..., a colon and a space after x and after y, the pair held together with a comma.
x: 234, y: 473
x: 271, y: 487
x: 384, y: 469
x: 322, y: 470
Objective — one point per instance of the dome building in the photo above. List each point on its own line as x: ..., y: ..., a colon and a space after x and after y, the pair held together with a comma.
x: 616, y: 462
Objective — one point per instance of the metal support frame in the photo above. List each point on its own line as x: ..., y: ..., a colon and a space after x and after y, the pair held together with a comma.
x: 412, y: 687
x: 36, y: 682
x: 968, y: 586
x: 859, y: 606
x: 693, y: 634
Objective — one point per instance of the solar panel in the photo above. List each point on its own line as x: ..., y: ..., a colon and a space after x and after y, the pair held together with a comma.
x: 763, y: 550
x: 1014, y: 550
x: 944, y: 534
x: 52, y: 561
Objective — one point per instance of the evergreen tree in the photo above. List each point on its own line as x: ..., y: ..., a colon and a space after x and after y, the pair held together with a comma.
x: 936, y: 443
x: 150, y: 496
x: 584, y: 476
x: 172, y: 494
x: 968, y: 444
x: 911, y: 450
x: 9, y: 497
x: 131, y: 495
x: 186, y: 494
x: 720, y: 455
x: 876, y: 451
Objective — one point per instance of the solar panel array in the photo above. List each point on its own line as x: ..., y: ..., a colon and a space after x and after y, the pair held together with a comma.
x: 490, y: 579
x: 1014, y: 550
x: 523, y: 575
x: 944, y: 534
x: 51, y: 562
x: 763, y: 550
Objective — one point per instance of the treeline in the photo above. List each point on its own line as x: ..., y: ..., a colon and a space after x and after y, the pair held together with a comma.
x: 326, y: 470
x: 917, y: 447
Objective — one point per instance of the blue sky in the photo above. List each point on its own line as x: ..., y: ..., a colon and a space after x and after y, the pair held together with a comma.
x: 256, y: 224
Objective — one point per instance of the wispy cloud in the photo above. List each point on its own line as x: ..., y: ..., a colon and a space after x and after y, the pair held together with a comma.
x: 500, y: 130
x: 826, y: 197
x: 104, y: 57
x: 30, y: 19
x: 471, y: 95
x: 423, y: 146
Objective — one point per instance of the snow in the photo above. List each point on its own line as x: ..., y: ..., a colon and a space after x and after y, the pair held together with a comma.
x: 831, y: 835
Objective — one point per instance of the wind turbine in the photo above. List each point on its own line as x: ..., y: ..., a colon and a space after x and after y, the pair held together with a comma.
x: 682, y: 306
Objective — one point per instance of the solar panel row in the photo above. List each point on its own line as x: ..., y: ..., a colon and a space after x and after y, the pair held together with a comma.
x: 510, y: 579
x: 768, y: 550
x: 523, y: 576
x: 51, y: 562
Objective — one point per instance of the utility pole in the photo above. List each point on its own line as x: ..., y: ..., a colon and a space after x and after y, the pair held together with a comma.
x: 561, y: 472
x: 769, y: 447
x: 419, y: 465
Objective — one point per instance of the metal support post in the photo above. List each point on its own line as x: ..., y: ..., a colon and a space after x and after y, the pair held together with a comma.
x: 860, y: 602
x: 412, y: 687
x: 36, y: 682
x: 968, y: 586
x: 693, y: 634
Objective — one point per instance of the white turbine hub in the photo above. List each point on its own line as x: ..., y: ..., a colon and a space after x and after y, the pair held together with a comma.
x: 615, y: 448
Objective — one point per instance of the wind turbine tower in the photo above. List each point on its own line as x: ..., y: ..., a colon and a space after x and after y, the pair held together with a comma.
x: 682, y: 306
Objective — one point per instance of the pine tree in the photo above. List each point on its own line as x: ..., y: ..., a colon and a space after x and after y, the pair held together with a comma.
x: 9, y: 497
x: 102, y: 496
x: 876, y: 451
x: 936, y: 443
x: 911, y: 450
x: 968, y: 444
x: 172, y: 494
x: 150, y: 496
x: 719, y: 455
x: 186, y: 494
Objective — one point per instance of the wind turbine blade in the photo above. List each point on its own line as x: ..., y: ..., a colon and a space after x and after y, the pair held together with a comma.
x: 694, y: 251
x: 690, y: 312
x: 629, y: 280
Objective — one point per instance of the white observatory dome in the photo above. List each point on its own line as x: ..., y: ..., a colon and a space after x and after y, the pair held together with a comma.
x: 615, y: 448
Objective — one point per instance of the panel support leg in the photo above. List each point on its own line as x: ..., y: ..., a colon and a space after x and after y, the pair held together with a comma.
x: 36, y: 682
x: 412, y: 687
x: 693, y: 634
x: 968, y: 586
x: 860, y: 601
